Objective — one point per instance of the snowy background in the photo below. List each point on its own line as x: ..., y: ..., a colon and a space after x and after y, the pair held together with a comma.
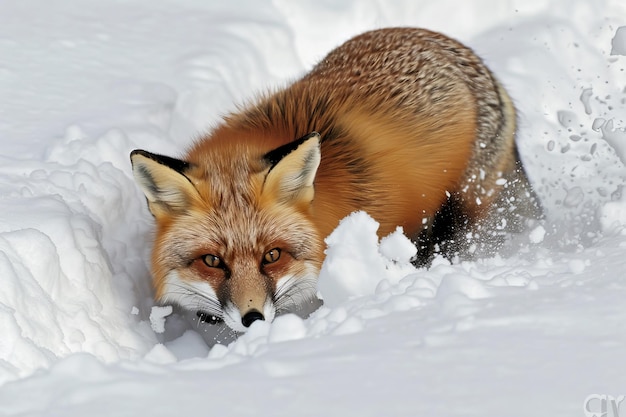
x: 534, y: 331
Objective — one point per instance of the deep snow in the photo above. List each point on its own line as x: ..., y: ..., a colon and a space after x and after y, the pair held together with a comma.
x: 533, y: 331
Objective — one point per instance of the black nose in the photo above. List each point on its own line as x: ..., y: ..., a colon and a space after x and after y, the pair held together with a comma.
x: 250, y: 317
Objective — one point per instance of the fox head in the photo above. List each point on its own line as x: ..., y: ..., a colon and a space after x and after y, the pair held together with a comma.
x: 234, y: 237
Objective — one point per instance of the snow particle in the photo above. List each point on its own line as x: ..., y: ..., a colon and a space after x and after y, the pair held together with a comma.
x: 618, y: 44
x: 567, y: 118
x: 598, y: 123
x: 537, y: 234
x: 585, y: 96
x: 613, y: 217
x: 157, y: 317
x: 616, y: 138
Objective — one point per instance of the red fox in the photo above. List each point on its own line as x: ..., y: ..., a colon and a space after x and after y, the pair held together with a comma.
x: 405, y: 124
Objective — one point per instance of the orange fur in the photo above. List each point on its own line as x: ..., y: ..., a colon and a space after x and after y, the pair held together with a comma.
x: 413, y: 129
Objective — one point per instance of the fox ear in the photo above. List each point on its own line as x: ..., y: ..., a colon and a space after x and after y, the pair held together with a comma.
x: 163, y: 181
x: 293, y: 169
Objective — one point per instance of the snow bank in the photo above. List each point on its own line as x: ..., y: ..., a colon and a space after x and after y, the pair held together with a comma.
x: 66, y: 278
x: 533, y: 331
x: 74, y: 231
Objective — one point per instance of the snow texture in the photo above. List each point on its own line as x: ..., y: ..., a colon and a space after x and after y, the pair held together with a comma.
x: 619, y: 42
x: 537, y: 330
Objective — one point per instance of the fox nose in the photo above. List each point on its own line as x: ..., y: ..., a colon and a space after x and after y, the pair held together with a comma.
x: 250, y: 317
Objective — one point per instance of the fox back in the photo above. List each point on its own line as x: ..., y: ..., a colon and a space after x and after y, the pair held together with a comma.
x: 405, y: 124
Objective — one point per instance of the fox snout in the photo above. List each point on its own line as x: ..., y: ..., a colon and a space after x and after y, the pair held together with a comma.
x: 238, y: 303
x: 240, y: 321
x: 247, y: 299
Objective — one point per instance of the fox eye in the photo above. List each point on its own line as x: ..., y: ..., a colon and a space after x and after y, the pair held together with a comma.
x: 271, y: 256
x: 212, y: 261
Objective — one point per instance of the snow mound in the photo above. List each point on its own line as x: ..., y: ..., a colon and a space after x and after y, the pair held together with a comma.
x: 356, y: 263
x: 63, y: 273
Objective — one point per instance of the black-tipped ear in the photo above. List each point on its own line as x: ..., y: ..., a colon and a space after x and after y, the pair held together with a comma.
x: 163, y: 181
x: 293, y: 169
x: 274, y: 156
x: 177, y: 165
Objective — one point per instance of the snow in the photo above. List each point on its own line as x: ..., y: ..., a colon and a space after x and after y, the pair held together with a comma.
x: 619, y: 42
x: 157, y: 317
x: 356, y: 262
x: 537, y: 234
x: 536, y: 330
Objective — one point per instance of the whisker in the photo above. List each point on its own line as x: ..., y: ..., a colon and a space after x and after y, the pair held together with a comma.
x: 294, y: 293
x: 187, y: 296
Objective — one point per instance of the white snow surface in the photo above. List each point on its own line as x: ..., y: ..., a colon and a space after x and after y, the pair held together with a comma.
x: 533, y: 331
